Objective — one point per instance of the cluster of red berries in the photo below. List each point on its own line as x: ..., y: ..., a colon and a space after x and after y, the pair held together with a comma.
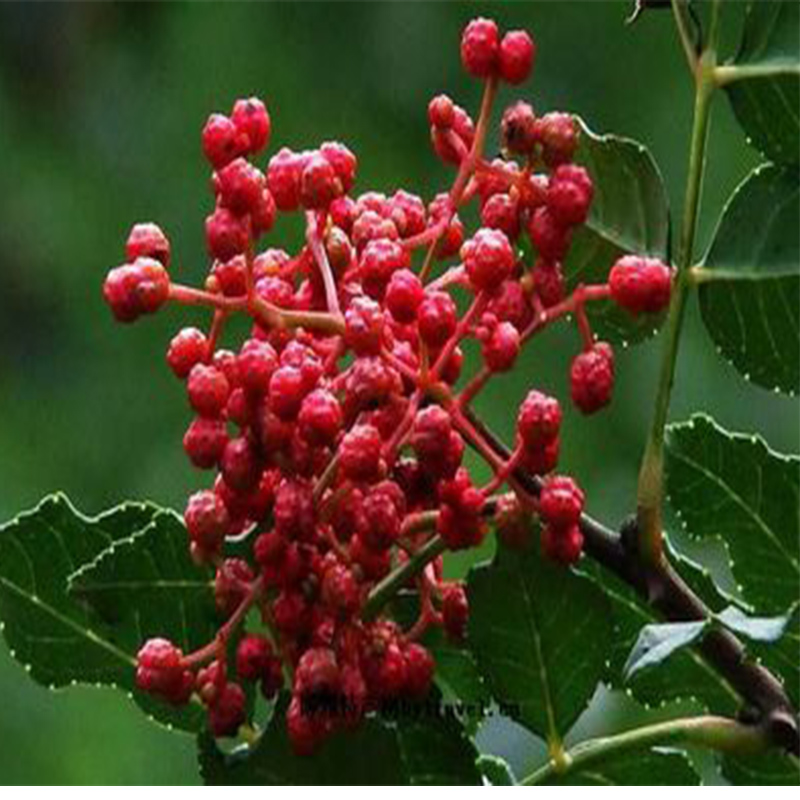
x: 337, y: 429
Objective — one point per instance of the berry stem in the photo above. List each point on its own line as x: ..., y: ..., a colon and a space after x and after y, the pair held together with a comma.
x: 465, y: 170
x: 717, y: 733
x: 262, y: 312
x: 314, y: 240
x: 220, y: 640
x: 650, y: 489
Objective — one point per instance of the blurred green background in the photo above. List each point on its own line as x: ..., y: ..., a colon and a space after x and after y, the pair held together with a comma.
x: 101, y: 106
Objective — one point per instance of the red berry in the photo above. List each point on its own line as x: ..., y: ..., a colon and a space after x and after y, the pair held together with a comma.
x: 344, y: 164
x: 419, y: 670
x: 187, y: 348
x: 570, y: 194
x: 550, y: 237
x: 539, y: 419
x: 541, y: 459
x: 513, y: 523
x: 408, y: 213
x: 221, y: 140
x: 518, y: 128
x: 343, y: 213
x: 501, y: 349
x: 380, y: 259
x: 208, y: 390
x: 455, y: 611
x: 207, y: 520
x: 488, y: 259
x: 148, y: 240
x: 283, y: 178
x: 501, y: 211
x: 253, y: 656
x: 640, y: 284
x: 286, y: 392
x: 360, y: 453
x: 320, y: 418
x: 227, y: 713
x: 548, y: 282
x: 441, y: 112
x: 479, y: 47
x: 294, y: 510
x: 241, y: 465
x: 160, y: 671
x: 256, y: 363
x: 340, y: 590
x: 318, y: 183
x: 592, y: 378
x: 563, y: 545
x: 239, y: 187
x: 204, y: 442
x: 437, y: 317
x: 431, y: 432
x: 561, y: 502
x: 231, y: 276
x: 404, y: 295
x: 558, y: 136
x: 515, y: 58
x: 381, y: 516
x: 226, y: 234
x: 136, y: 289
x: 305, y: 731
x: 231, y: 584
x: 252, y: 122
x: 364, y: 324
x: 262, y: 215
x: 317, y: 673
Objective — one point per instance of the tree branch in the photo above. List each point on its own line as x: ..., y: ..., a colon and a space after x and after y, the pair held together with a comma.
x: 663, y: 589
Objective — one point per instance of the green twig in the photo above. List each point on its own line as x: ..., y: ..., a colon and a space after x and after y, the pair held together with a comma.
x: 717, y: 733
x: 650, y: 491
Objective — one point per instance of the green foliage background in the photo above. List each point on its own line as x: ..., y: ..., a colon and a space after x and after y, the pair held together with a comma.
x: 101, y: 105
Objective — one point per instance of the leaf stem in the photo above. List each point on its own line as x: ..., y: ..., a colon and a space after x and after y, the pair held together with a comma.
x: 650, y: 490
x: 683, y: 22
x: 717, y: 733
x: 730, y: 73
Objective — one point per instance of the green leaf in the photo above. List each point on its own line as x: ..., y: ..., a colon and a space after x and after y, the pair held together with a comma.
x: 148, y: 584
x: 751, y: 280
x: 541, y: 634
x: 767, y: 106
x: 764, y: 769
x: 428, y: 750
x: 59, y: 640
x: 58, y: 636
x: 759, y: 629
x: 496, y: 770
x: 734, y: 488
x: 658, y: 642
x: 689, y: 675
x: 655, y: 767
x: 629, y: 214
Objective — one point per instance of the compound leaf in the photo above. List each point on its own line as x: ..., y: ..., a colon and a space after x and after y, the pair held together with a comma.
x: 767, y: 104
x: 751, y: 280
x: 734, y: 488
x: 540, y: 634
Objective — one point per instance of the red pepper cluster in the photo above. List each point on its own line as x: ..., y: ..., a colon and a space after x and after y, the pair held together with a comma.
x: 337, y: 429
